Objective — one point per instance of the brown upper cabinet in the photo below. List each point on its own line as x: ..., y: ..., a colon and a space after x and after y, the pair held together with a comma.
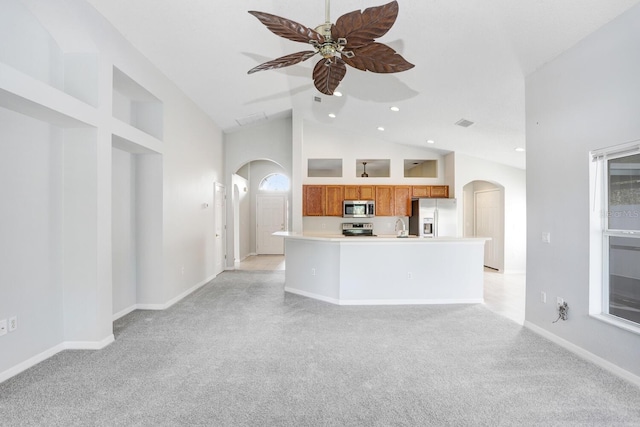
x: 335, y: 196
x: 313, y: 200
x: 385, y: 200
x: 391, y: 200
x: 418, y: 191
x: 351, y: 192
x: 441, y: 191
x: 359, y: 192
x: 402, y: 200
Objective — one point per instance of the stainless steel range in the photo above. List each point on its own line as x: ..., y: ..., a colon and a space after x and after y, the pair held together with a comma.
x: 357, y: 229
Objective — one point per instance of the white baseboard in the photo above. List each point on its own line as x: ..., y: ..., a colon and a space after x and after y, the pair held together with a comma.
x: 383, y: 301
x: 88, y: 345
x: 23, y: 366
x: 411, y: 301
x: 41, y: 357
x: 173, y: 300
x: 312, y: 295
x: 124, y: 312
x: 584, y: 354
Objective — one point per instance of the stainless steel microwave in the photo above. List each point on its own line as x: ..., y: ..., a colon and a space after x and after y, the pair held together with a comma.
x: 358, y: 208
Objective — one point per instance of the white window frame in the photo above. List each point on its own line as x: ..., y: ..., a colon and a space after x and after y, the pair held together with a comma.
x: 600, y: 234
x: 274, y: 191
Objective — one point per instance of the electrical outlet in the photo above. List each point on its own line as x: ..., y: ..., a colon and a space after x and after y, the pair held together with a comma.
x: 313, y: 271
x: 13, y: 323
x: 409, y: 275
x: 546, y: 237
x: 543, y: 297
x: 560, y: 301
x: 3, y: 327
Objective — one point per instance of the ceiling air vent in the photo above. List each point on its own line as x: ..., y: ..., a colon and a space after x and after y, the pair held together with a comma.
x: 464, y: 123
x: 253, y: 118
x: 317, y: 99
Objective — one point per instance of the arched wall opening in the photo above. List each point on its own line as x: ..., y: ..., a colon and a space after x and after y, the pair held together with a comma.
x: 246, y: 181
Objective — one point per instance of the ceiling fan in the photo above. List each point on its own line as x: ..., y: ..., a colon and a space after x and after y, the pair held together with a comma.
x: 350, y: 41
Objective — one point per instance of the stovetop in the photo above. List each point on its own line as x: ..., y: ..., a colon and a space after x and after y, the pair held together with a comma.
x: 357, y: 229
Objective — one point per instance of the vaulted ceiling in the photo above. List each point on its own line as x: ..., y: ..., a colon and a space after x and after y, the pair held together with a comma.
x: 471, y: 58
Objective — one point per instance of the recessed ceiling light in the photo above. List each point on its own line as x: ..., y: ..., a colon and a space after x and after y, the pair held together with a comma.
x: 380, y: 128
x: 333, y: 116
x: 394, y: 109
x: 336, y: 93
x: 519, y: 149
x: 430, y: 141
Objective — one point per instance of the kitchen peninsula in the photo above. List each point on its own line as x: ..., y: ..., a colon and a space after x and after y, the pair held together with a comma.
x: 384, y: 269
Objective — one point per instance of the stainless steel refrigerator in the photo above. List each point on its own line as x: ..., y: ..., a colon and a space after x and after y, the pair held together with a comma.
x: 434, y: 218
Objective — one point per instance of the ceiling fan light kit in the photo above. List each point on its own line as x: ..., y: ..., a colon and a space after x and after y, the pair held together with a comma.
x: 350, y: 41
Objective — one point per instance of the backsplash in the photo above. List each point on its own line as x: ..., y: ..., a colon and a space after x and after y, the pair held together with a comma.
x: 332, y: 225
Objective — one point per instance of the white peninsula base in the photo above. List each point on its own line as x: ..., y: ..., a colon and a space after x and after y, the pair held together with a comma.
x: 384, y: 270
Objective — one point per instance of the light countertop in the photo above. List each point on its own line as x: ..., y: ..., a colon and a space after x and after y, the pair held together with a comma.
x: 376, y: 239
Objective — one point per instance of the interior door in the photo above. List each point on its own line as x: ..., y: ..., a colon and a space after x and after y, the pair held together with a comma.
x: 489, y: 224
x: 271, y: 217
x: 219, y: 226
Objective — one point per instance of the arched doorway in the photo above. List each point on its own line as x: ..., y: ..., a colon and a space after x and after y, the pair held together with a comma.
x: 256, y: 185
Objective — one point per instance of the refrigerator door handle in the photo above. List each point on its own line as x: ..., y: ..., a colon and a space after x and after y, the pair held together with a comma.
x: 435, y: 222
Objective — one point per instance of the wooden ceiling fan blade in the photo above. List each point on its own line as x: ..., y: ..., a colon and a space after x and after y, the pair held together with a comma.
x: 287, y: 28
x: 283, y: 61
x: 377, y: 58
x: 361, y: 28
x: 328, y: 73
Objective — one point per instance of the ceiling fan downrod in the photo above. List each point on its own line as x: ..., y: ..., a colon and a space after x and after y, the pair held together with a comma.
x: 327, y: 19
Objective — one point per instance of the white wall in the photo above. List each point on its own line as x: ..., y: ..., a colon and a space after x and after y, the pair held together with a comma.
x: 585, y: 99
x: 123, y: 231
x: 31, y: 243
x: 326, y: 142
x: 468, y: 169
x: 58, y: 184
x: 241, y: 200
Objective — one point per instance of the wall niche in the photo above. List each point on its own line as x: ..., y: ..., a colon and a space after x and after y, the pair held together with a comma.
x: 420, y: 168
x: 373, y: 168
x: 136, y: 106
x: 324, y: 168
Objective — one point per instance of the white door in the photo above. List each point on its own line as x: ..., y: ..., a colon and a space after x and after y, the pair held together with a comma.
x: 489, y: 224
x: 271, y: 217
x: 219, y: 226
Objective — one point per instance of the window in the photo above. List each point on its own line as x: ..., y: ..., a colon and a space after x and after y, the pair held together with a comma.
x: 615, y: 294
x: 274, y: 182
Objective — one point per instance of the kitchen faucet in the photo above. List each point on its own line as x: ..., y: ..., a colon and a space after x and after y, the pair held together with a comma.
x: 404, y: 226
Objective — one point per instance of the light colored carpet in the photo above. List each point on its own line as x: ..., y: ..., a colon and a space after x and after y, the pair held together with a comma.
x: 240, y: 352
